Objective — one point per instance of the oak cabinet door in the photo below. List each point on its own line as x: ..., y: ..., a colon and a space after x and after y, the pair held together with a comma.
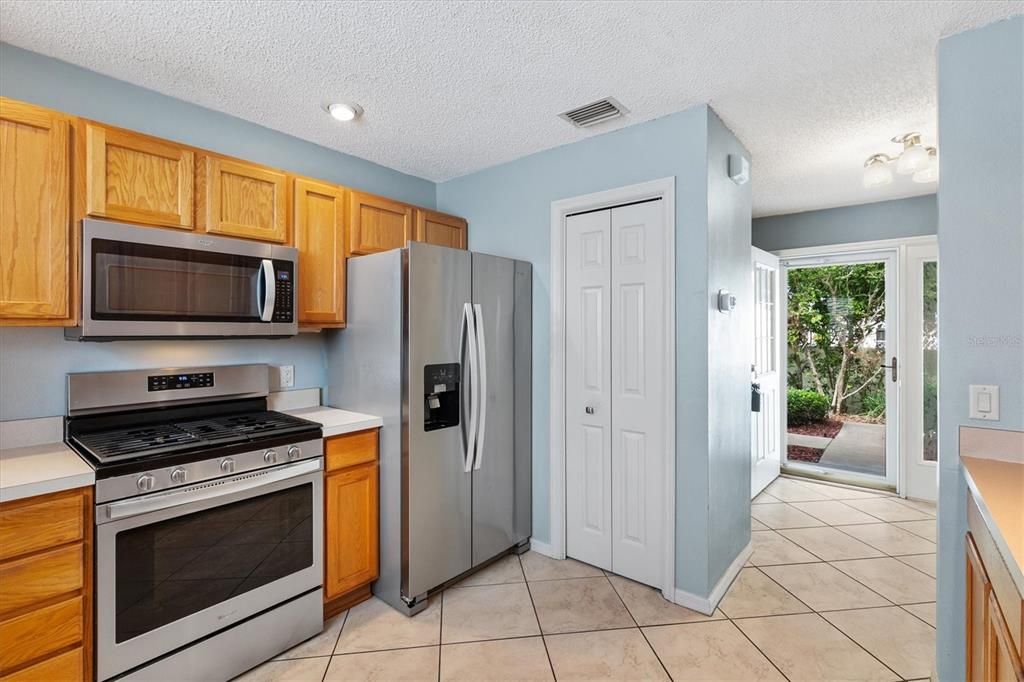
x: 377, y: 224
x: 1002, y: 663
x: 978, y: 588
x: 239, y: 199
x: 320, y: 239
x: 351, y: 522
x: 35, y: 254
x: 441, y: 229
x: 137, y: 178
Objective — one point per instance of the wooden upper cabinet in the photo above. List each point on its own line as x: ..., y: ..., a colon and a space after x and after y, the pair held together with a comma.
x: 441, y: 229
x: 35, y: 254
x: 320, y: 239
x: 239, y: 199
x: 377, y: 224
x: 137, y: 178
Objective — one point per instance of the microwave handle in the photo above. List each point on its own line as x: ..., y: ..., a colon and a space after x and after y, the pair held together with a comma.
x: 265, y: 302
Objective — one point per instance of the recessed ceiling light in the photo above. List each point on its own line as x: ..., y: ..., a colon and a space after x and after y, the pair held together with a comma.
x: 344, y: 112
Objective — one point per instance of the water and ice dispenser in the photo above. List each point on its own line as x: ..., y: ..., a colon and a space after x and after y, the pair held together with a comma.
x: 441, y: 386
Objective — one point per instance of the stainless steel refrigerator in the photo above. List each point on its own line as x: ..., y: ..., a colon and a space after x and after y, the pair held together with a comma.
x: 438, y: 342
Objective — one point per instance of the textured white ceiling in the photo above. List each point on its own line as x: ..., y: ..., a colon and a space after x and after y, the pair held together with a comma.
x: 811, y: 88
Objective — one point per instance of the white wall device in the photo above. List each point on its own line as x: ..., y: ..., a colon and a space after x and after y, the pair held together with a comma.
x: 739, y: 169
x: 726, y: 301
x: 984, y: 402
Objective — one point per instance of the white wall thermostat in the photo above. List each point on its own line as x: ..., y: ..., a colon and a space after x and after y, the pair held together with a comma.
x: 739, y: 169
x: 726, y: 301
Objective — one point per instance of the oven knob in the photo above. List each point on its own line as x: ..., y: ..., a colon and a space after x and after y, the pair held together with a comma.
x: 227, y: 465
x: 146, y: 482
x: 270, y: 456
x: 178, y: 476
x: 294, y: 452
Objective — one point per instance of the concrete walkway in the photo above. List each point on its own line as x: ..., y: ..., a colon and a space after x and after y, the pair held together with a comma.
x: 804, y: 441
x: 857, y: 447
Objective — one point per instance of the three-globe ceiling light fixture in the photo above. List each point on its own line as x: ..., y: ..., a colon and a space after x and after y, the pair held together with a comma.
x: 916, y: 160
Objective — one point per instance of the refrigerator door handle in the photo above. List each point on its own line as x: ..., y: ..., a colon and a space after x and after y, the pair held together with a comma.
x: 482, y: 400
x: 469, y: 437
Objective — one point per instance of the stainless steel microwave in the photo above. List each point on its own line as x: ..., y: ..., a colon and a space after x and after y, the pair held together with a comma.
x: 145, y: 282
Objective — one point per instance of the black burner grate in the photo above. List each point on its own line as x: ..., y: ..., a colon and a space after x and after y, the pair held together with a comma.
x: 169, y: 437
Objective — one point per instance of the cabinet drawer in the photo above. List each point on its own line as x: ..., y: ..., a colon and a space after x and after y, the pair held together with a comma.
x: 351, y: 449
x: 30, y: 580
x: 40, y: 633
x: 64, y: 668
x: 37, y: 523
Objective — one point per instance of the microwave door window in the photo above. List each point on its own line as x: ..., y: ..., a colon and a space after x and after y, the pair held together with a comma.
x: 146, y: 282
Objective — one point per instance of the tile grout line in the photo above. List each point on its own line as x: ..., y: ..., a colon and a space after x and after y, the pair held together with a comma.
x: 754, y: 644
x: 642, y: 633
x: 440, y: 634
x: 336, y: 640
x: 540, y: 629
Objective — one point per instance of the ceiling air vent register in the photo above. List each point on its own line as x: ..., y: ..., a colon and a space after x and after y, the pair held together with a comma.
x: 596, y: 112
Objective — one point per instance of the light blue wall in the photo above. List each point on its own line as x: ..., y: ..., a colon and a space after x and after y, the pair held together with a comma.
x: 509, y: 209
x: 981, y: 275
x: 35, y: 78
x: 33, y: 362
x: 911, y: 217
x: 728, y: 347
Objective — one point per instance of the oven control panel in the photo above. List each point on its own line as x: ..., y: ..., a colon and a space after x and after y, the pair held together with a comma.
x: 169, y: 382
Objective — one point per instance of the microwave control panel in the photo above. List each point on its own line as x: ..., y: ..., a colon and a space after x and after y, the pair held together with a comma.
x: 170, y: 382
x: 284, y: 296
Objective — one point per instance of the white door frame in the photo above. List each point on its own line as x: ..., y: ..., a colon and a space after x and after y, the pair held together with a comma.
x: 913, y: 466
x: 779, y: 320
x: 663, y: 189
x: 900, y: 246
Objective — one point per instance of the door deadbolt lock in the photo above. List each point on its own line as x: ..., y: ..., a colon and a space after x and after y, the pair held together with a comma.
x: 589, y: 409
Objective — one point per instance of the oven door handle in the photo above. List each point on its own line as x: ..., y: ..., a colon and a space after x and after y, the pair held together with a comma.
x: 203, y: 491
x: 269, y: 298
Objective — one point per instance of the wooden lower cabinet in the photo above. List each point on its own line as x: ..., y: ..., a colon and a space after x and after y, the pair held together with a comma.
x: 350, y: 519
x: 992, y: 655
x: 46, y: 600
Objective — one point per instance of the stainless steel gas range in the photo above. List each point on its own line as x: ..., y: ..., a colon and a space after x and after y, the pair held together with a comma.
x: 209, y: 520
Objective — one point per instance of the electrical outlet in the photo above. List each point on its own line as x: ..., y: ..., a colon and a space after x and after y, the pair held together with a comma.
x: 286, y: 376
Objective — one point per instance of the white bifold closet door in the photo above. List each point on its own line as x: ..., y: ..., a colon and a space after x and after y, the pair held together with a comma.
x: 615, y: 389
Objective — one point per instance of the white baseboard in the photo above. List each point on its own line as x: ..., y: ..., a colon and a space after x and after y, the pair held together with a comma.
x: 543, y: 548
x: 707, y: 605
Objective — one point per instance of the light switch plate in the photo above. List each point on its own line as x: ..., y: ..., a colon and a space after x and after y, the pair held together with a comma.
x: 984, y: 402
x: 286, y: 376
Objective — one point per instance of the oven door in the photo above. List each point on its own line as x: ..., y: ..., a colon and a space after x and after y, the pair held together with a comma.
x: 149, y: 282
x: 174, y: 567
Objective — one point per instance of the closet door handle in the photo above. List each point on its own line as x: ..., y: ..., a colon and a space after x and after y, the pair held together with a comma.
x: 588, y: 409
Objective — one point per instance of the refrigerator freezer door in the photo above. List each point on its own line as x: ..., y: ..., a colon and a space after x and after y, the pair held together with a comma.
x: 494, y: 479
x: 438, y: 504
x: 522, y: 325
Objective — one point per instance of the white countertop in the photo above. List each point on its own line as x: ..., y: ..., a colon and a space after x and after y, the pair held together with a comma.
x: 337, y: 422
x: 40, y: 469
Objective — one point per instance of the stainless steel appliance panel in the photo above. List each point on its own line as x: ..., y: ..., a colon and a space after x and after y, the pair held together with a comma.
x: 364, y: 372
x: 494, y: 467
x: 522, y: 326
x: 182, y: 582
x: 173, y: 283
x: 438, y: 493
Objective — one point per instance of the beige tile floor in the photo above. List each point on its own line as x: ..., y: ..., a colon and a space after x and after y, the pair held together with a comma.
x: 840, y: 586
